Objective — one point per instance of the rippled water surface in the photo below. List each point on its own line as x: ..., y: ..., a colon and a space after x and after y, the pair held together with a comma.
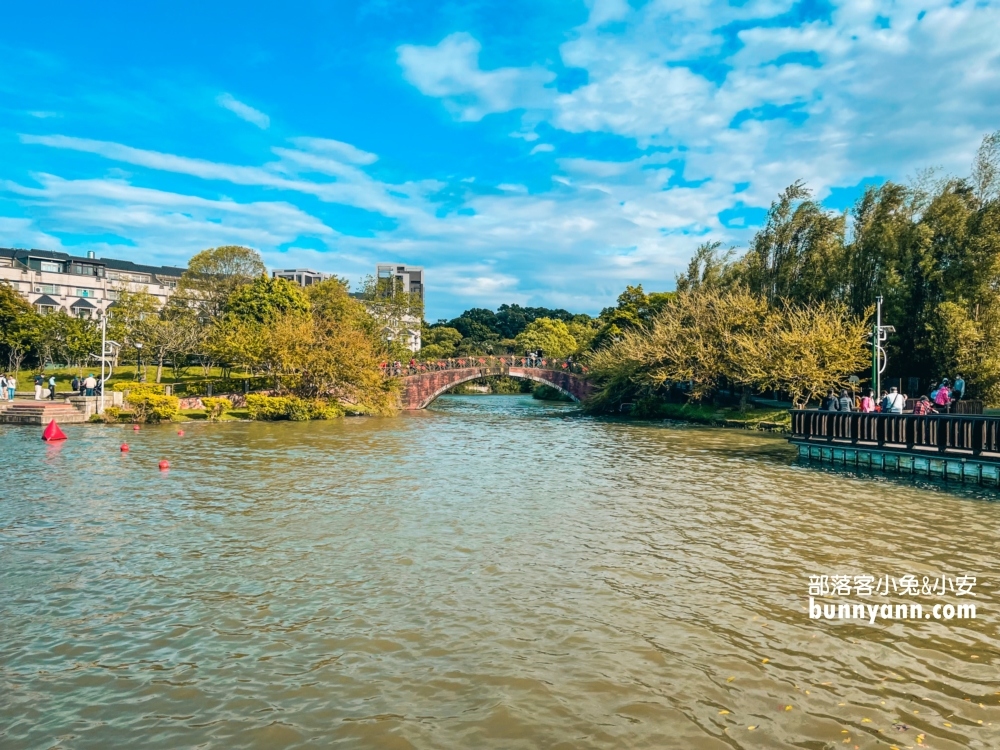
x: 491, y: 573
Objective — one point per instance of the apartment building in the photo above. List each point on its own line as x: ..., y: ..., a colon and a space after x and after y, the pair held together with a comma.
x: 81, y: 286
x: 411, y: 278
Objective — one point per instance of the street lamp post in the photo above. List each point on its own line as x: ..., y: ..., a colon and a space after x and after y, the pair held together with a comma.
x: 880, y: 334
x: 138, y: 361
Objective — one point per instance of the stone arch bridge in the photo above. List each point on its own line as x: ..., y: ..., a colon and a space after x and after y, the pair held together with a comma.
x: 421, y: 388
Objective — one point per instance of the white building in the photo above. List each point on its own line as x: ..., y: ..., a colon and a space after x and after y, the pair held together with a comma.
x: 81, y: 286
x: 302, y: 276
x: 411, y: 278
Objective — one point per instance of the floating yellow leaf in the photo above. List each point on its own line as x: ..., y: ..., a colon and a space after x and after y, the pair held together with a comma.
x: 764, y: 661
x: 752, y: 727
x: 788, y: 708
x: 947, y: 724
x: 723, y: 712
x: 730, y: 679
x: 866, y: 721
x: 974, y: 656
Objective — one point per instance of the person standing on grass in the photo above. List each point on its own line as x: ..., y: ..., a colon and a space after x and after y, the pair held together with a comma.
x: 39, y: 384
x: 52, y: 387
x: 75, y: 384
x: 90, y: 384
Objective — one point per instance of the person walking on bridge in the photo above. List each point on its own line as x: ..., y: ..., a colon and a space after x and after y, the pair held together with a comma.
x: 831, y: 402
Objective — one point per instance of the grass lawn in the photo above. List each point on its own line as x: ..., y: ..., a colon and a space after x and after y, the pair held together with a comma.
x: 65, y: 375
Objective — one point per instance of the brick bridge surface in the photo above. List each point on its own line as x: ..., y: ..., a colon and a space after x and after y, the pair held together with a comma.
x: 420, y: 390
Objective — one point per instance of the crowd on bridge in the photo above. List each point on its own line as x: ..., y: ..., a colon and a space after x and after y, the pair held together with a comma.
x: 535, y: 360
x: 942, y: 399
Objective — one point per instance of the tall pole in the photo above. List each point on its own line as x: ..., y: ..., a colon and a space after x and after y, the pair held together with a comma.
x: 876, y: 359
x: 104, y: 354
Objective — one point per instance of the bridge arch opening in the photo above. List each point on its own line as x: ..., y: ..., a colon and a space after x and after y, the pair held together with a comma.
x: 419, y: 400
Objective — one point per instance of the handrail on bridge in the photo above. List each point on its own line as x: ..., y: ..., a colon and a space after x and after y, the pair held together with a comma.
x: 954, y: 434
x: 404, y: 369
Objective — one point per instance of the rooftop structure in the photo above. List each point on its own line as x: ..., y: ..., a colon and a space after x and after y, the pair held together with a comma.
x: 302, y: 276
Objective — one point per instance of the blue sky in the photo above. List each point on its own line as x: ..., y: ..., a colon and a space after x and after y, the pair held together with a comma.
x: 545, y: 153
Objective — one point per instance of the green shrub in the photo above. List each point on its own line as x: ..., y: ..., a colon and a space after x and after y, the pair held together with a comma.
x: 110, y: 415
x: 263, y: 407
x: 153, y: 407
x: 216, y: 407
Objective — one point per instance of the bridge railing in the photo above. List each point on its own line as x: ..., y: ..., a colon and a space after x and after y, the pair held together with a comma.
x: 501, y: 364
x: 959, y: 434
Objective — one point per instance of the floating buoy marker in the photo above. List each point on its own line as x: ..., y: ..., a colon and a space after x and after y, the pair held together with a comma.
x: 124, y: 448
x: 180, y: 432
x: 135, y: 428
x: 53, y: 433
x: 164, y: 465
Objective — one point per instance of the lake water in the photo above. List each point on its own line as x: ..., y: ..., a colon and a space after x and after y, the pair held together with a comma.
x: 494, y: 572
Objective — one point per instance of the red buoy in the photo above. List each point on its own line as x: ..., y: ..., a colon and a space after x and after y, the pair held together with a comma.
x: 135, y: 428
x: 180, y: 432
x: 164, y: 465
x: 124, y: 448
x: 52, y: 432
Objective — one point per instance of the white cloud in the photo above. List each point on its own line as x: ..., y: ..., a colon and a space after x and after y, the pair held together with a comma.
x: 450, y: 71
x: 244, y: 111
x: 20, y: 232
x: 542, y: 148
x: 344, y: 152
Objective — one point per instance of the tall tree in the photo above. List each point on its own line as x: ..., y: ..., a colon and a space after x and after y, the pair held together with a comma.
x: 213, y: 275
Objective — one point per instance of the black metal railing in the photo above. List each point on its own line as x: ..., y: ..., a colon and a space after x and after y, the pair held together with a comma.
x: 958, y: 434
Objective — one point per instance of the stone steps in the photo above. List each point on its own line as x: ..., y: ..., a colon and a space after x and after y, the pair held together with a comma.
x: 40, y: 413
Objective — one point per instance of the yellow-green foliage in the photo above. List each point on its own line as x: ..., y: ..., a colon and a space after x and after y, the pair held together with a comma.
x: 153, y: 407
x: 134, y: 387
x: 261, y: 407
x: 216, y: 407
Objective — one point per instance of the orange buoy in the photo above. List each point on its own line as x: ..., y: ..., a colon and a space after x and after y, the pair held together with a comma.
x: 52, y: 432
x: 164, y: 465
x: 180, y: 432
x: 124, y: 448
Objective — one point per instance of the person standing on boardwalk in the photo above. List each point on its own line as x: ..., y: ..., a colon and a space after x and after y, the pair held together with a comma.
x: 893, y: 402
x: 868, y: 402
x: 11, y: 386
x: 75, y: 384
x: 39, y: 384
x: 831, y: 402
x: 52, y: 387
x: 942, y: 398
x: 90, y: 384
x: 958, y: 391
x: 3, y: 387
x: 845, y: 402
